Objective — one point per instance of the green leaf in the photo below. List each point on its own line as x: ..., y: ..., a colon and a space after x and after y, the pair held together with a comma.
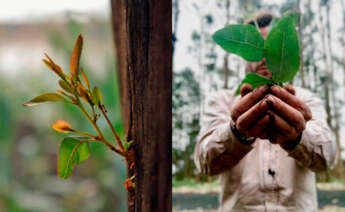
x: 64, y: 85
x: 282, y: 50
x: 96, y: 96
x: 295, y: 14
x: 243, y: 40
x: 127, y: 145
x: 274, y: 23
x: 255, y: 81
x: 72, y: 151
x: 45, y: 98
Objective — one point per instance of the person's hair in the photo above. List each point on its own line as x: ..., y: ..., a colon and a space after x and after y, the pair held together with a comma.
x: 262, y: 18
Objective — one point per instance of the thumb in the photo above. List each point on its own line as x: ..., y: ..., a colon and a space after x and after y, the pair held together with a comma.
x: 290, y: 89
x: 246, y: 88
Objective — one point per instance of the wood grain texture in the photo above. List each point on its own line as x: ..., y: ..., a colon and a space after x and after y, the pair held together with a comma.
x: 143, y: 40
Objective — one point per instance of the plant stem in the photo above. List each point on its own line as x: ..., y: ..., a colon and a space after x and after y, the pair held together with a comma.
x: 117, y: 137
x: 111, y: 147
x: 102, y: 139
x: 84, y: 133
x: 94, y: 113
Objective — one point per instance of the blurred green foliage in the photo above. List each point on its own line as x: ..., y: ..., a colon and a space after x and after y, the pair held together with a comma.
x: 28, y: 146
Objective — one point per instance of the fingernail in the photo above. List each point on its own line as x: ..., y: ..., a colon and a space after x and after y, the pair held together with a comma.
x: 275, y: 88
x: 267, y: 116
x: 263, y: 87
x: 269, y: 100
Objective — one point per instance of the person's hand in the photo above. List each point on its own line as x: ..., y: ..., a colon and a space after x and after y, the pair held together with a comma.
x: 249, y: 113
x: 289, y: 115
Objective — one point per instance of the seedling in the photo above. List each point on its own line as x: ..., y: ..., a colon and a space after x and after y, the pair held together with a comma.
x: 75, y: 149
x: 281, y: 49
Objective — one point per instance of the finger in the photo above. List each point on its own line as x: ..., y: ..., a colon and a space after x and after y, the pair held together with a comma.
x: 259, y: 127
x: 245, y: 89
x: 247, y: 119
x: 276, y: 138
x: 290, y: 89
x: 292, y: 100
x: 248, y: 101
x: 282, y: 126
x: 290, y: 114
x: 267, y: 134
x: 264, y: 134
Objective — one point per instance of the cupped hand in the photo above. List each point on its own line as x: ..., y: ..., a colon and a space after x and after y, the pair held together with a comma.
x: 249, y: 113
x: 289, y: 116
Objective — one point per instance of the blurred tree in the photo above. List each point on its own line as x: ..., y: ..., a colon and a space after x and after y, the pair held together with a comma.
x: 329, y: 83
x: 339, y: 170
x: 186, y: 97
x: 176, y: 14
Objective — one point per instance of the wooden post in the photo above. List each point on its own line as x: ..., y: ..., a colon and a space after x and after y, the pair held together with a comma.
x: 143, y: 40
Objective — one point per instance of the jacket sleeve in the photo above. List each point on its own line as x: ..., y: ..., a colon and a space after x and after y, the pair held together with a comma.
x: 217, y: 149
x: 317, y: 149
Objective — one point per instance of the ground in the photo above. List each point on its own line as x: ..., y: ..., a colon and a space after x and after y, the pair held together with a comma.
x: 193, y: 197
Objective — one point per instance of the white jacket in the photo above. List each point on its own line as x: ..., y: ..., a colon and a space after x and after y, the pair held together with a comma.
x: 263, y: 176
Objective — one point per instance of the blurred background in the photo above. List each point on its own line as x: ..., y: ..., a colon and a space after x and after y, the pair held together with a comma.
x: 28, y: 146
x: 201, y: 67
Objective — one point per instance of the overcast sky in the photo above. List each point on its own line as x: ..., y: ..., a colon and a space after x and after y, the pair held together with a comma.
x: 19, y: 9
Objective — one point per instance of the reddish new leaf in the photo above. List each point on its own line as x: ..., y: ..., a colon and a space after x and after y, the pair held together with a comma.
x: 75, y: 58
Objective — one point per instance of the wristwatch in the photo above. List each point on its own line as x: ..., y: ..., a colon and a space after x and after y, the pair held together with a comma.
x: 292, y: 144
x: 242, y: 138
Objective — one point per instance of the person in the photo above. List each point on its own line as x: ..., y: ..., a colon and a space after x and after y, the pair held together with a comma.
x: 266, y: 144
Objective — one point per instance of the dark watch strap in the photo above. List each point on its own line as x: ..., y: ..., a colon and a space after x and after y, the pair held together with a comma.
x: 244, y: 139
x: 292, y: 144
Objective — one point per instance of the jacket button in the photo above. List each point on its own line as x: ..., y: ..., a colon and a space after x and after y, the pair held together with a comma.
x: 271, y: 172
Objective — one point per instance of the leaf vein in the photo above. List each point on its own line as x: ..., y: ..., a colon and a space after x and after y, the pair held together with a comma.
x: 282, y: 57
x: 243, y: 42
x: 71, y: 156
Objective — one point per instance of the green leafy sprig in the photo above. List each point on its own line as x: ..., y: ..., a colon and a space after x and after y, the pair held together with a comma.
x: 77, y: 91
x: 281, y: 49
